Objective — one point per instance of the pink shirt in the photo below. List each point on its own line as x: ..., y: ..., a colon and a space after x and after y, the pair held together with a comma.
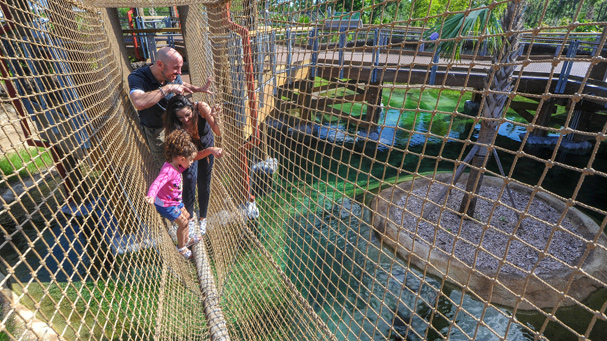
x: 166, y: 189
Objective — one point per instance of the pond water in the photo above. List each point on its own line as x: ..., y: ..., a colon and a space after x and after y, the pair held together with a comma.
x: 361, y: 288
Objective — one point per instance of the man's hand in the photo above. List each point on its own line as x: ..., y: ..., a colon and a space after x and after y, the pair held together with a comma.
x: 207, y: 86
x: 149, y: 200
x: 177, y: 89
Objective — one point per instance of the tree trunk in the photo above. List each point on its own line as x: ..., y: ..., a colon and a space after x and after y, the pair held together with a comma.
x: 500, y: 82
x: 475, y: 178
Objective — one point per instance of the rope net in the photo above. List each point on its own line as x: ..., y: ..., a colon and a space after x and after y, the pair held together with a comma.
x: 415, y: 176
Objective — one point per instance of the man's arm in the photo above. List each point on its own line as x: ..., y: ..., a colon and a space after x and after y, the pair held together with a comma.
x: 143, y: 100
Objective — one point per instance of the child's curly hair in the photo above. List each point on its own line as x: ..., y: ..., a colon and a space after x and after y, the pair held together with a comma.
x: 178, y: 143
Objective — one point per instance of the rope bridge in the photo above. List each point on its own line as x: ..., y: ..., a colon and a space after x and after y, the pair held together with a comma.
x: 415, y: 179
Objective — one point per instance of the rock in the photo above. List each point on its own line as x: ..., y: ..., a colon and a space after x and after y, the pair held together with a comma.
x: 577, y: 147
x: 471, y: 108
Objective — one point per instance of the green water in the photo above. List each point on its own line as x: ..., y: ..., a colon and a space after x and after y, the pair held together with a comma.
x: 360, y: 288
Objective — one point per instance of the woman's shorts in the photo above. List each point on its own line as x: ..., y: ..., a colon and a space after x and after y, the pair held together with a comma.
x: 170, y: 212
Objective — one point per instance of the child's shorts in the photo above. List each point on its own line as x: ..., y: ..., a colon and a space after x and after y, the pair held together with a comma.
x: 170, y: 212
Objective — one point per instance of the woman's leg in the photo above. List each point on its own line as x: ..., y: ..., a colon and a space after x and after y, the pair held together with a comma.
x: 189, y: 187
x: 205, y: 170
x: 182, y: 227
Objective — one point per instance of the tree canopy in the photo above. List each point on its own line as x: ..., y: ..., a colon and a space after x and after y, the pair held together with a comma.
x: 428, y: 13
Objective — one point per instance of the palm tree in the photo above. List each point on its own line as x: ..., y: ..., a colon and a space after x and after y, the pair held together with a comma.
x: 477, y: 22
x: 505, y: 49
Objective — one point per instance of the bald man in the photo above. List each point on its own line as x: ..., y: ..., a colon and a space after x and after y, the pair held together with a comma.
x: 151, y: 87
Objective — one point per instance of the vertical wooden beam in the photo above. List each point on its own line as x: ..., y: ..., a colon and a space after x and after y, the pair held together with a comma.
x: 543, y: 117
x: 191, y: 29
x: 110, y: 15
x: 477, y: 96
x: 305, y: 98
x: 373, y: 96
x: 599, y: 71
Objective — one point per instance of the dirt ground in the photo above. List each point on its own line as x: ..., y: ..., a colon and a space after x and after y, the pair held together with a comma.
x: 562, y: 241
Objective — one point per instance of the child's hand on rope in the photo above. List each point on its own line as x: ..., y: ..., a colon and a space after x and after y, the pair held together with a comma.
x: 149, y: 200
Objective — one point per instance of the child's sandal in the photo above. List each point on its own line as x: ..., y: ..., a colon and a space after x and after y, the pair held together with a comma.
x: 193, y: 241
x: 185, y: 252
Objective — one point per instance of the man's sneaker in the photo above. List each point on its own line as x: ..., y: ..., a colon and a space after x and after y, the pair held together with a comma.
x: 251, y: 210
x: 203, y: 226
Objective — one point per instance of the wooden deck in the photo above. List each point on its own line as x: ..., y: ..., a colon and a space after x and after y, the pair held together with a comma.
x: 536, y: 76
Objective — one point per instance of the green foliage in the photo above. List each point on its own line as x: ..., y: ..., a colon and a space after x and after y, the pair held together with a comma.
x: 370, y: 13
x: 81, y: 312
x: 427, y: 12
x: 588, y: 28
x: 564, y: 12
x: 304, y: 20
x: 122, y: 12
x: 478, y: 22
x: 25, y: 162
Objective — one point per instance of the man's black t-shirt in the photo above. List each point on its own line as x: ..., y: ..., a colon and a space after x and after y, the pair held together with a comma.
x: 142, y: 79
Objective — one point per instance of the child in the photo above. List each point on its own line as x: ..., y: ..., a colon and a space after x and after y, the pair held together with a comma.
x: 165, y: 191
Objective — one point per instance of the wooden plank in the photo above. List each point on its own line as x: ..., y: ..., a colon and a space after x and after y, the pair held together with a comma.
x: 527, y: 84
x: 269, y: 102
x: 322, y: 103
x: 326, y: 87
x: 524, y: 105
x: 523, y: 113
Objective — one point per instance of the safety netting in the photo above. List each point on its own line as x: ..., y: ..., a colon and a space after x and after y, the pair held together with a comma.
x: 392, y: 170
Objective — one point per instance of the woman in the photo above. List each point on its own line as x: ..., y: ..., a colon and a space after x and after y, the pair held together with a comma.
x: 200, y: 121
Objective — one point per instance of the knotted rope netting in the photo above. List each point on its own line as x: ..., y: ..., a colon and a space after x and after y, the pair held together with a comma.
x: 416, y: 176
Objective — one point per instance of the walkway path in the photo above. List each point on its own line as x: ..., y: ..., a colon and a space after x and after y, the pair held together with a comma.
x: 413, y: 68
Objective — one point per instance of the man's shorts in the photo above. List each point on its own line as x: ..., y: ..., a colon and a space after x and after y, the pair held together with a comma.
x: 170, y: 212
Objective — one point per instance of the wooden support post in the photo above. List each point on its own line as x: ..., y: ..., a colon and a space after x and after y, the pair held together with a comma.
x: 599, y: 71
x: 543, y: 117
x: 581, y: 121
x: 116, y: 41
x: 342, y: 45
x: 305, y: 99
x: 289, y: 53
x: 477, y: 96
x: 373, y: 97
x: 375, y: 56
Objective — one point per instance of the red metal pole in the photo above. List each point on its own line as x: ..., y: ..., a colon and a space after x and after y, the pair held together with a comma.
x: 129, y: 15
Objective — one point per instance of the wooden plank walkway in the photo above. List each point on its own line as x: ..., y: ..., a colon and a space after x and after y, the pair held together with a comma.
x: 414, y: 68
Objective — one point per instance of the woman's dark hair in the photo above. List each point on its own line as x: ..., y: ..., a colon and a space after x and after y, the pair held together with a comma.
x: 171, y: 122
x: 178, y: 143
